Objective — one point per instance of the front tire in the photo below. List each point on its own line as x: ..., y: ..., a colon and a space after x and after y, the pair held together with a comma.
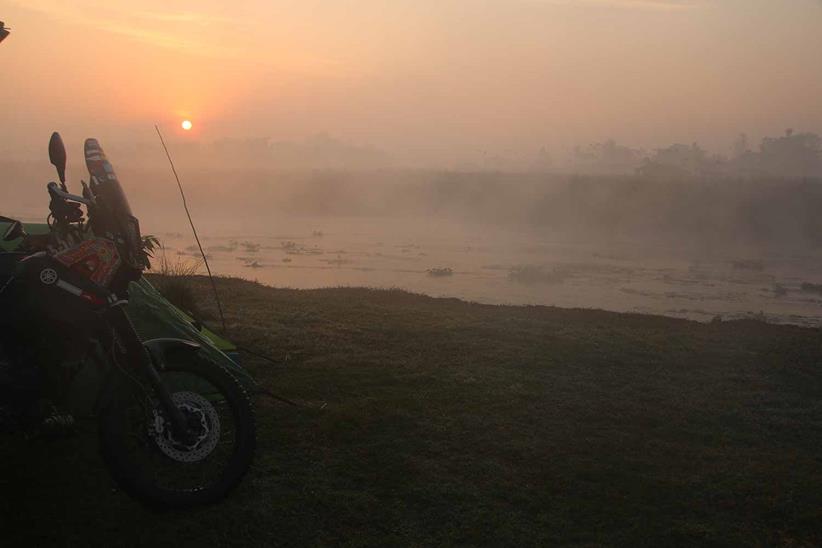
x: 147, y: 461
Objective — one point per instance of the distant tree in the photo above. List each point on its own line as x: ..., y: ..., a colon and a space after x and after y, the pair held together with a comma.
x: 744, y: 161
x: 794, y: 154
x: 607, y: 157
x: 741, y: 146
x: 684, y: 156
x: 680, y: 160
x: 656, y: 170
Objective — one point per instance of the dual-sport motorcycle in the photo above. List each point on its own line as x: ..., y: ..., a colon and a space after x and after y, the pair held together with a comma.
x: 175, y: 429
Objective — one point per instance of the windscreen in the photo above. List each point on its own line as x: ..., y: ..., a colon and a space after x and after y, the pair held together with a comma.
x: 104, y: 180
x: 110, y: 196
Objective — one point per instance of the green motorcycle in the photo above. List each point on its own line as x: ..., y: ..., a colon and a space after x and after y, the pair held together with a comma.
x: 175, y: 429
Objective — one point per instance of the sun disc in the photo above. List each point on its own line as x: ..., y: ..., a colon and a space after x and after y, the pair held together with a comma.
x: 186, y: 124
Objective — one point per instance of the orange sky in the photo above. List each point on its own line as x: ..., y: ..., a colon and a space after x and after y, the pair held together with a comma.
x: 429, y: 81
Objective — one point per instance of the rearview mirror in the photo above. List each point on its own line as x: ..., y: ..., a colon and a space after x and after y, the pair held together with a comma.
x: 14, y: 231
x: 57, y: 156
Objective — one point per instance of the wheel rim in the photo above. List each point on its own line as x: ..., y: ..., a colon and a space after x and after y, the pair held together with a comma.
x: 162, y: 460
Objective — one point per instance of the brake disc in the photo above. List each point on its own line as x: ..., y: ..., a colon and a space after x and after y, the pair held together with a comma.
x: 207, y: 431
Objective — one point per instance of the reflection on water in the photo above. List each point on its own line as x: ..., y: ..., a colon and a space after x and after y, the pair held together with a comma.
x: 509, y: 267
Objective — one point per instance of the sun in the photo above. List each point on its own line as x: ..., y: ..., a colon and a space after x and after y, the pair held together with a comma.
x: 187, y: 125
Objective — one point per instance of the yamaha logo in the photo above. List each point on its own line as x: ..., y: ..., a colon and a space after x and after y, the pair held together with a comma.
x: 48, y: 276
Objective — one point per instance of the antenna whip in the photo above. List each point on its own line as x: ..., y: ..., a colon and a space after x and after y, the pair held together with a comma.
x: 193, y: 229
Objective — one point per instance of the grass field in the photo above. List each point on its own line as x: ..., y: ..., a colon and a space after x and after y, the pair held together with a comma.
x: 438, y: 422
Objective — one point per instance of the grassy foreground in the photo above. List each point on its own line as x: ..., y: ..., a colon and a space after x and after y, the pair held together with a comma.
x: 434, y: 421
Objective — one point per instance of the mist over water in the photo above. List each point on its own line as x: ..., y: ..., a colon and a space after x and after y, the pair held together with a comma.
x: 692, y: 247
x: 695, y: 246
x: 697, y: 249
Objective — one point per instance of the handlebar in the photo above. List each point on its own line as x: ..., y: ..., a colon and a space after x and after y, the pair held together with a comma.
x: 55, y: 190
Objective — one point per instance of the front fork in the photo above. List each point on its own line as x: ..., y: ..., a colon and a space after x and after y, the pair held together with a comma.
x: 139, y: 358
x: 178, y: 422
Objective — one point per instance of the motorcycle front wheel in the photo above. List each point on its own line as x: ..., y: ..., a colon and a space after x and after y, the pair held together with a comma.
x: 148, y: 461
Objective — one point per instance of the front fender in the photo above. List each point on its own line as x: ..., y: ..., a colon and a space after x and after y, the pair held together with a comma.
x: 161, y: 349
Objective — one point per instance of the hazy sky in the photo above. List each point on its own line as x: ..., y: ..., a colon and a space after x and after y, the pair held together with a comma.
x: 436, y: 80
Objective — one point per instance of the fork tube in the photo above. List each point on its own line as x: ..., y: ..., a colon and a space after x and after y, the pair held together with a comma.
x: 139, y: 359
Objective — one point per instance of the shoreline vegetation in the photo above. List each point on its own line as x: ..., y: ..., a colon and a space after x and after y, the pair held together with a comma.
x: 433, y: 421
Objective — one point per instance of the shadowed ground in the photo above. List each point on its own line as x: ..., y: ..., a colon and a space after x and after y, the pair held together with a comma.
x: 435, y: 421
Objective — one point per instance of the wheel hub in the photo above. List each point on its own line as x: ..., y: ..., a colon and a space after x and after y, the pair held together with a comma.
x: 202, y: 422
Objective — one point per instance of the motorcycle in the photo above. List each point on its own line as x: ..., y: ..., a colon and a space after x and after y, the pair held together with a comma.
x: 175, y: 430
